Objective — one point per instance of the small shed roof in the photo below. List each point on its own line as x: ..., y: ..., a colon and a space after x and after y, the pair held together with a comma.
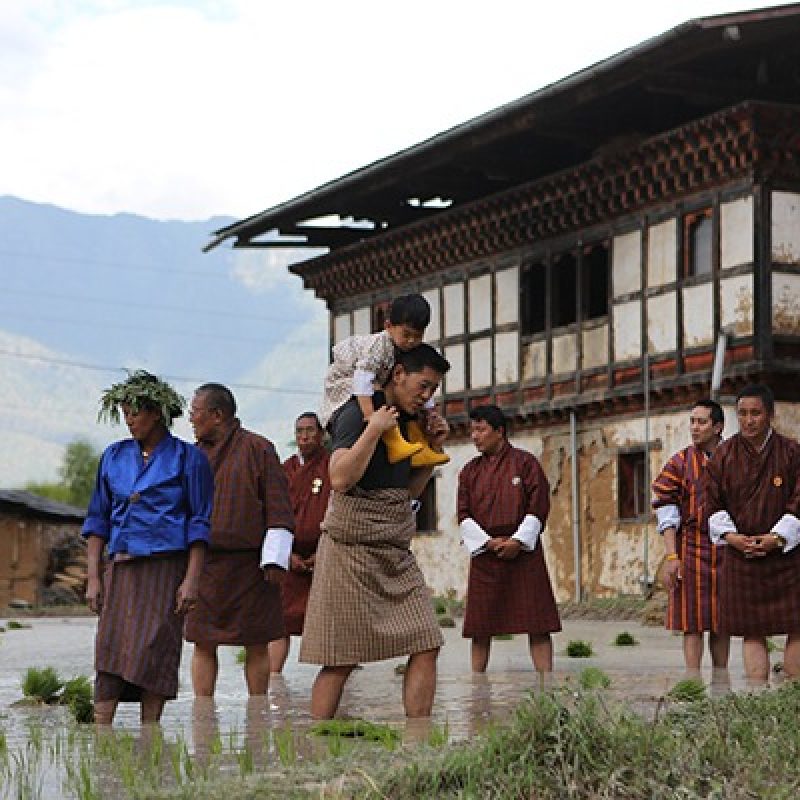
x: 33, y: 505
x: 690, y: 71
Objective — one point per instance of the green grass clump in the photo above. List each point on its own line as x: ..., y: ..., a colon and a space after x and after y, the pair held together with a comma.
x: 13, y: 625
x: 357, y: 728
x: 440, y: 606
x: 625, y: 639
x: 77, y: 696
x: 690, y: 690
x: 593, y: 678
x: 503, y: 637
x: 578, y: 648
x: 41, y: 684
x: 600, y: 748
x: 241, y: 656
x: 446, y: 621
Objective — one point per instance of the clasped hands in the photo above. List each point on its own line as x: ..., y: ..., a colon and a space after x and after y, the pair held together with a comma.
x: 504, y: 547
x: 756, y: 546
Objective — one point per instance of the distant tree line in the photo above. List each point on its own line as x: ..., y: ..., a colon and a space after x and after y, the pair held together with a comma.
x: 77, y: 475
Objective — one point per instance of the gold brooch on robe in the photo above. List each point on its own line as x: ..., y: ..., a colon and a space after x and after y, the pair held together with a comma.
x: 777, y: 481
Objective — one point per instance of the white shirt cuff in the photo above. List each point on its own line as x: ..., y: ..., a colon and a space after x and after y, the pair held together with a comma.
x: 277, y: 548
x: 473, y: 537
x: 668, y: 517
x: 527, y: 534
x: 720, y: 523
x: 788, y: 526
x: 363, y: 383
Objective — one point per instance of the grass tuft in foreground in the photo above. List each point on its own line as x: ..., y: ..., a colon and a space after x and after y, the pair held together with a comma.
x: 561, y: 745
x: 625, y: 639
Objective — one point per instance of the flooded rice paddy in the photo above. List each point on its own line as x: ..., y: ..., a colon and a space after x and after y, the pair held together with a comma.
x: 43, y: 754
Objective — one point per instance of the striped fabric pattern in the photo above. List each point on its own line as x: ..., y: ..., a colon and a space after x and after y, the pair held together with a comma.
x: 515, y: 596
x: 368, y: 598
x: 693, y: 605
x: 139, y: 635
x: 760, y: 596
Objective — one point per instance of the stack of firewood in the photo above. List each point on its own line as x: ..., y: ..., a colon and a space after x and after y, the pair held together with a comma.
x: 65, y: 580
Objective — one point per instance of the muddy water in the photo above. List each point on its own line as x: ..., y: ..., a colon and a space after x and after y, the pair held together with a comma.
x: 464, y: 702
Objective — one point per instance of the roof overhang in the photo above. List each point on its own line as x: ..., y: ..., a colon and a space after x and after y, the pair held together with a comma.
x: 692, y: 70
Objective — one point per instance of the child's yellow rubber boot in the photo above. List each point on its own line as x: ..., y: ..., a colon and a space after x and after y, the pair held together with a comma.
x: 397, y: 448
x: 425, y: 457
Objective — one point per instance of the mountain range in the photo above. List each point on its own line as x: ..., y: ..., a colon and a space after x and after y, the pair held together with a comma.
x: 84, y: 297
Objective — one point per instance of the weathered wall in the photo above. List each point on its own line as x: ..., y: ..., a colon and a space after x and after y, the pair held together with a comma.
x: 612, y: 550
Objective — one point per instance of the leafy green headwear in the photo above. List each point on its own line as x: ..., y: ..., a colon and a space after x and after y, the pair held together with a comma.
x: 141, y: 390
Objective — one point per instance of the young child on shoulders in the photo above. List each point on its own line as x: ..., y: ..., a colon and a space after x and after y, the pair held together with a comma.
x: 361, y: 361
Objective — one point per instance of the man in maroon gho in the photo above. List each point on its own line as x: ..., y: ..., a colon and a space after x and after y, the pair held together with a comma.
x: 310, y: 489
x: 503, y: 503
x: 752, y: 487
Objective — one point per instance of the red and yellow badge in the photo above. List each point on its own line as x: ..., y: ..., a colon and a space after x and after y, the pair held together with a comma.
x: 777, y: 481
x: 316, y: 486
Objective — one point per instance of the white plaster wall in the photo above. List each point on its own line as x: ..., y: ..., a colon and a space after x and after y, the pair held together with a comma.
x: 506, y: 357
x: 698, y: 315
x: 595, y: 347
x: 362, y: 321
x: 628, y: 330
x: 454, y: 309
x: 506, y: 296
x: 626, y: 263
x: 736, y: 304
x: 662, y: 253
x: 534, y: 360
x: 662, y: 323
x: 786, y: 227
x: 736, y: 233
x: 454, y: 380
x: 786, y: 303
x: 564, y: 355
x: 434, y: 331
x: 341, y: 327
x: 480, y: 363
x: 787, y: 419
x: 480, y: 303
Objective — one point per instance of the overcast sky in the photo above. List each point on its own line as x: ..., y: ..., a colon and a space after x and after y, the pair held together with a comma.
x: 189, y: 108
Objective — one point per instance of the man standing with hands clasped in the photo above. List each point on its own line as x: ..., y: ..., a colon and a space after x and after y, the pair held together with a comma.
x: 752, y: 487
x: 692, y: 566
x: 503, y: 503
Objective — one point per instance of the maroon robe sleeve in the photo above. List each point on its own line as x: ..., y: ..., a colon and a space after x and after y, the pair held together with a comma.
x: 465, y: 493
x: 537, y: 489
x: 275, y: 491
x: 668, y: 487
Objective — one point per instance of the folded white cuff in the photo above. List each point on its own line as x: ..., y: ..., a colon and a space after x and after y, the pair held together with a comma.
x: 720, y: 523
x: 277, y: 548
x: 527, y: 534
x: 363, y: 383
x: 668, y: 517
x: 788, y: 526
x: 473, y: 537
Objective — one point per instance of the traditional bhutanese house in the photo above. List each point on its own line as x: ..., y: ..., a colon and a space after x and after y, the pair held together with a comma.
x: 31, y: 528
x: 582, y: 249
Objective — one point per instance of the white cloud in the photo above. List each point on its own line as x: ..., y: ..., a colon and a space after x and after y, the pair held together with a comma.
x: 186, y: 109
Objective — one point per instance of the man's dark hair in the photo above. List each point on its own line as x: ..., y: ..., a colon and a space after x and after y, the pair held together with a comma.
x: 421, y: 356
x: 412, y: 310
x: 761, y: 391
x: 492, y: 415
x: 717, y: 415
x: 218, y: 398
x: 309, y: 415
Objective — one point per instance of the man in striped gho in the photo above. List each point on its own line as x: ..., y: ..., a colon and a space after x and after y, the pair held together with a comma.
x: 692, y: 564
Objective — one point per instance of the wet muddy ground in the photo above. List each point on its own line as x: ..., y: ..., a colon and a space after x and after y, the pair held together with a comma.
x: 464, y: 702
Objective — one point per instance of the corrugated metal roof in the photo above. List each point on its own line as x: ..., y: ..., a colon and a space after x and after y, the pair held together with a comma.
x: 34, y: 505
x: 687, y: 72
